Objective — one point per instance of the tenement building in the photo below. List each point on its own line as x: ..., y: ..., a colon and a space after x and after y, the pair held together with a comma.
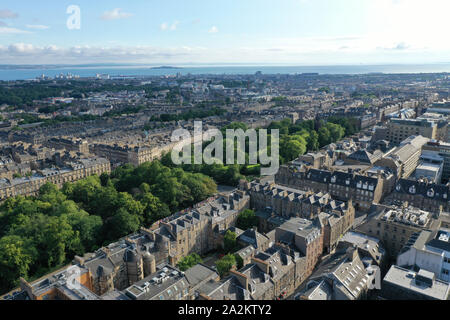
x: 363, y: 190
x: 421, y: 194
x: 72, y: 171
x: 142, y: 266
x: 342, y: 276
x: 334, y: 217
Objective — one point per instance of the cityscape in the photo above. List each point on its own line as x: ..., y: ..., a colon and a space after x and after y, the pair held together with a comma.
x: 93, y: 205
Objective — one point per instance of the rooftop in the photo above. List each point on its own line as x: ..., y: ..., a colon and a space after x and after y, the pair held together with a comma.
x: 407, y: 279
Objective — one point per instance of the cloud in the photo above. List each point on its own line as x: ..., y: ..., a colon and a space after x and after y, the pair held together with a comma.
x: 2, y: 24
x: 29, y: 53
x: 9, y: 30
x: 8, y: 14
x: 397, y: 47
x: 116, y: 14
x: 275, y: 49
x: 213, y: 29
x: 165, y: 26
x: 174, y: 25
x: 37, y: 26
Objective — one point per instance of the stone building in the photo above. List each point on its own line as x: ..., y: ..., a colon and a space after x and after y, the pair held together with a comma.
x: 342, y: 276
x: 363, y: 190
x: 394, y: 226
x: 421, y: 194
x: 69, y: 144
x: 404, y: 159
x: 71, y: 172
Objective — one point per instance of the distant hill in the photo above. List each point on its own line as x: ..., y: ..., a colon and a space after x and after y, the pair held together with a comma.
x: 165, y: 67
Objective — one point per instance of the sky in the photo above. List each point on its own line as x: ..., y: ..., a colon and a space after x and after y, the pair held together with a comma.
x: 216, y: 32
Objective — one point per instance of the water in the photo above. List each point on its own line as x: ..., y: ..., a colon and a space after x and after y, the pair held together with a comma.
x: 141, y: 71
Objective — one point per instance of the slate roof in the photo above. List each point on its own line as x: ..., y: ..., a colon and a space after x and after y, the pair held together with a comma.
x: 340, y: 178
x: 429, y: 190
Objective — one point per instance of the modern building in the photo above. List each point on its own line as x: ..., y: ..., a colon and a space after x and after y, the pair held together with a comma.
x: 443, y: 150
x: 428, y: 250
x: 401, y: 129
x: 404, y: 284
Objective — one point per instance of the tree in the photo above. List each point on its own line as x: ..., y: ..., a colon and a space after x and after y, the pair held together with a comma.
x: 225, y: 264
x: 292, y: 147
x: 120, y: 225
x: 336, y: 131
x: 313, y: 141
x: 247, y: 219
x: 189, y: 261
x: 16, y: 257
x: 324, y: 137
x: 239, y: 261
x: 154, y: 209
x: 229, y: 241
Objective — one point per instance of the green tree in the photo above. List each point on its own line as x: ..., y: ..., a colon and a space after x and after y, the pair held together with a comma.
x: 324, y: 137
x: 154, y: 209
x: 225, y: 264
x: 189, y: 261
x: 120, y: 225
x: 229, y: 241
x: 247, y: 219
x: 16, y: 257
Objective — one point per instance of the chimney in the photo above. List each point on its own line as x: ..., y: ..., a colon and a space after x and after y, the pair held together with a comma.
x: 242, y: 278
x: 264, y: 266
x: 79, y: 260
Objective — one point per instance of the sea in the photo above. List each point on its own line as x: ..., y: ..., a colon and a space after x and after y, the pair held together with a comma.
x: 8, y: 72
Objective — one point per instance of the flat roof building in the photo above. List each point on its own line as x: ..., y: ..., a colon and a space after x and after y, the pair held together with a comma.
x: 403, y: 284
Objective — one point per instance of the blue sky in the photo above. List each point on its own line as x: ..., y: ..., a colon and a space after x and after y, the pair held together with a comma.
x: 292, y: 32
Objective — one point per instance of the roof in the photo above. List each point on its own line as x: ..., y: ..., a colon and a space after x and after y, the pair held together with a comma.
x: 432, y: 191
x: 363, y: 156
x: 198, y: 274
x: 407, y: 280
x: 253, y: 237
x: 441, y: 241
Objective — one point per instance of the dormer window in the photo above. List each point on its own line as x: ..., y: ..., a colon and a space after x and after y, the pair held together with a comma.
x: 398, y: 188
x: 333, y: 179
x: 430, y: 193
x: 412, y: 190
x: 444, y: 196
